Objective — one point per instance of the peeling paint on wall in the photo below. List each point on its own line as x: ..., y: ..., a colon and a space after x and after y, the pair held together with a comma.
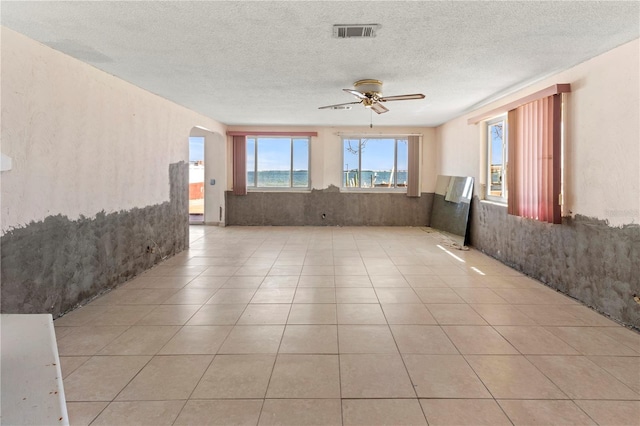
x: 52, y: 265
x: 582, y: 257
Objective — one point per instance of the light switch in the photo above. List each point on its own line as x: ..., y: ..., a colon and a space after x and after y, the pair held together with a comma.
x: 6, y: 163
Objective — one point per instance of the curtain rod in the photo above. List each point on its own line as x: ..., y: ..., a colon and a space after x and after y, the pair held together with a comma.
x: 269, y: 133
x: 549, y: 91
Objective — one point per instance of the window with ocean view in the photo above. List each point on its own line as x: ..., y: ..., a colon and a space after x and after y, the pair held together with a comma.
x: 375, y: 163
x: 277, y: 162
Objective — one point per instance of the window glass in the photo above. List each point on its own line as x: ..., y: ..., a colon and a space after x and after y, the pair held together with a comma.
x: 251, y: 162
x: 300, y: 163
x: 497, y: 158
x: 403, y: 162
x: 378, y: 163
x: 375, y: 162
x: 351, y: 159
x: 277, y: 162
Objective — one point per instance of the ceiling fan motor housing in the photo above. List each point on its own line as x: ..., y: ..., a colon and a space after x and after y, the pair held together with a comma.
x: 368, y: 86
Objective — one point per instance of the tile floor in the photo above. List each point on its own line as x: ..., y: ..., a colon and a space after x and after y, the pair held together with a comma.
x: 344, y: 326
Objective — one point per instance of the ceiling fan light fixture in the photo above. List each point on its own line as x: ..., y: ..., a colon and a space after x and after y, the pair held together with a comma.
x: 368, y: 86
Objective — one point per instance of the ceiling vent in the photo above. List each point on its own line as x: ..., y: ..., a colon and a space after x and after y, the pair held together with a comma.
x: 349, y: 31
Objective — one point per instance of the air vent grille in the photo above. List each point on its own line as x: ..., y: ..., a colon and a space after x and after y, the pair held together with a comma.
x: 349, y: 31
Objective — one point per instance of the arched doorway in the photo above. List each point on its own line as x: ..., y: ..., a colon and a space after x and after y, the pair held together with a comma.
x: 208, y: 168
x: 196, y: 180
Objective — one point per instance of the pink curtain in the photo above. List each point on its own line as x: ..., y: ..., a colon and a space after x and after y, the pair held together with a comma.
x: 239, y: 165
x: 413, y: 178
x: 534, y: 166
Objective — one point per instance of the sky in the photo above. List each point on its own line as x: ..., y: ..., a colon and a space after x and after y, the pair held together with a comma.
x: 377, y: 154
x: 275, y: 154
x: 496, y: 146
x: 196, y: 148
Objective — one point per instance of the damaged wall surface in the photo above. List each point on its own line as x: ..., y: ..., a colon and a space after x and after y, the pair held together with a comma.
x: 338, y: 208
x: 584, y: 258
x: 55, y: 264
x: 99, y: 173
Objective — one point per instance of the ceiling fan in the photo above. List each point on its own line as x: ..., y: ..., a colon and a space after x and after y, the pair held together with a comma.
x: 369, y: 92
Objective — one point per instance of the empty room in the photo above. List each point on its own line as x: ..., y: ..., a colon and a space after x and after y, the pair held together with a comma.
x: 320, y: 213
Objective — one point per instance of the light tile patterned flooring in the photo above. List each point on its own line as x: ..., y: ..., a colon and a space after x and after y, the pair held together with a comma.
x: 348, y: 326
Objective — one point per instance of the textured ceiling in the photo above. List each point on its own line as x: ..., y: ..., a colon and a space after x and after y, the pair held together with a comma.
x: 275, y: 63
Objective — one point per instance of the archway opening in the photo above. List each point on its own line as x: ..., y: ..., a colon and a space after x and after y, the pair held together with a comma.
x: 207, y: 176
x: 196, y: 179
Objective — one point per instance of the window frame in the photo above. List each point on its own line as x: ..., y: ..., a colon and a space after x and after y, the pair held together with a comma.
x: 252, y: 186
x: 359, y: 188
x: 502, y: 199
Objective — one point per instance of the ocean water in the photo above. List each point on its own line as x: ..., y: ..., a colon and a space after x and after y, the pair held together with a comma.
x: 281, y: 178
x: 371, y: 178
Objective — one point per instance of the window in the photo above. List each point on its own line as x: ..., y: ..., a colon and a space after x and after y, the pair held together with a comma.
x: 535, y: 142
x: 497, y: 159
x: 375, y: 162
x: 277, y: 162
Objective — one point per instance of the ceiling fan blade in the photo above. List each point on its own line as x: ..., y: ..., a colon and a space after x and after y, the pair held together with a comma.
x: 401, y: 97
x: 355, y: 93
x: 379, y: 108
x: 339, y: 105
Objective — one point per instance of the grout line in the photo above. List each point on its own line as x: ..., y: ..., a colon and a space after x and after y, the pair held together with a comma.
x: 367, y: 239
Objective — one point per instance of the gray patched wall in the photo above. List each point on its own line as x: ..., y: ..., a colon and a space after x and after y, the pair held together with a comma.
x: 339, y: 208
x: 53, y: 265
x: 584, y: 258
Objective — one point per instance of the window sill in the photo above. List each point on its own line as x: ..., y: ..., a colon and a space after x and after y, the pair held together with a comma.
x: 343, y: 190
x: 302, y: 190
x: 374, y: 190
